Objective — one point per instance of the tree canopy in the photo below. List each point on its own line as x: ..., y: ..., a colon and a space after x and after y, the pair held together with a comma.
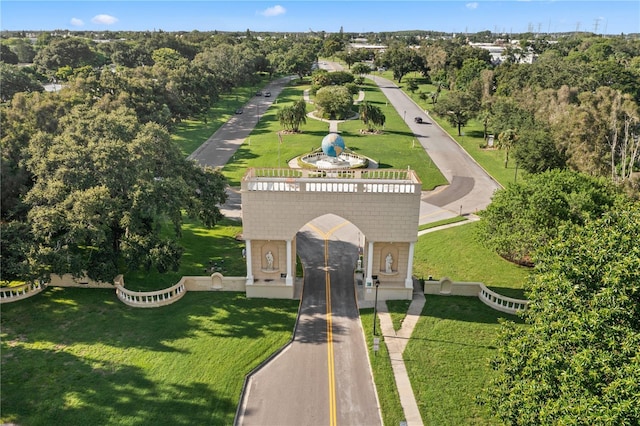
x: 334, y: 102
x: 578, y: 361
x: 104, y: 185
x: 526, y: 215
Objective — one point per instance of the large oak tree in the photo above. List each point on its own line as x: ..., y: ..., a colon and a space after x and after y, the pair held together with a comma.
x: 578, y: 361
x: 104, y: 187
x: 526, y: 215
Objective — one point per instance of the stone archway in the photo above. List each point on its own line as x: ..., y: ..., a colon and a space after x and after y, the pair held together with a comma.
x: 276, y: 203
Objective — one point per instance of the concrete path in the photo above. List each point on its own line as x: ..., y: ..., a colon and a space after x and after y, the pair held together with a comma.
x: 468, y: 182
x: 396, y: 343
x: 333, y: 124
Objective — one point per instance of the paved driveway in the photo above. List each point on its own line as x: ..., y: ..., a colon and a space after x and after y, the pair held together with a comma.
x: 323, y: 377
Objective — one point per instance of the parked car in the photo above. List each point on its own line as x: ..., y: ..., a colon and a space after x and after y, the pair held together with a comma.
x: 418, y: 120
x: 258, y: 93
x: 267, y: 94
x: 239, y: 111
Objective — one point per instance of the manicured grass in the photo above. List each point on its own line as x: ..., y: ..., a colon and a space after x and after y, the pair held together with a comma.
x: 204, y: 248
x: 441, y: 223
x: 398, y: 311
x: 472, y: 138
x: 80, y: 357
x: 447, y: 359
x: 456, y: 253
x: 394, y: 148
x: 192, y: 133
x: 392, y: 413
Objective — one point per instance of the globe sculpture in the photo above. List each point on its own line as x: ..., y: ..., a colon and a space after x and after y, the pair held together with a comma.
x: 333, y: 145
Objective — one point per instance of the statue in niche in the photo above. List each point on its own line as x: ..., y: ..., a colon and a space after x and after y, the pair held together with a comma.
x: 388, y: 263
x: 269, y: 257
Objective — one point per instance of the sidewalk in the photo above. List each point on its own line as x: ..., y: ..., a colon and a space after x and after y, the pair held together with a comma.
x: 396, y: 343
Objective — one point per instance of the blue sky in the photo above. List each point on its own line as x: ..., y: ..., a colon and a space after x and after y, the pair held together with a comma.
x: 601, y: 16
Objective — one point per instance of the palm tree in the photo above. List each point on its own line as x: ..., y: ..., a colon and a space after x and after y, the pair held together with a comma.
x: 506, y: 141
x: 371, y: 115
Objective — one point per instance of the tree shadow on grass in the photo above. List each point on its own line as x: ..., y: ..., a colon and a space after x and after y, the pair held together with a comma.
x: 90, y: 316
x: 42, y: 386
x: 400, y: 133
x: 463, y: 308
x: 474, y: 133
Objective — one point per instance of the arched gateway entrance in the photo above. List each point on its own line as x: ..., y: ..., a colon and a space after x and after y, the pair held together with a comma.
x: 383, y: 204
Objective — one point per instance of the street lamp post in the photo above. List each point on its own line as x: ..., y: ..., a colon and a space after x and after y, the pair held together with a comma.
x: 375, y: 307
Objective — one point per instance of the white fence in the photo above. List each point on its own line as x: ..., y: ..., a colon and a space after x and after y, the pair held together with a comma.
x: 12, y: 294
x: 446, y: 287
x: 150, y: 299
x: 502, y: 303
x: 138, y: 299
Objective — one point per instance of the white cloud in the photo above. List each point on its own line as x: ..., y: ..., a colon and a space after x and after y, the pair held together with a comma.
x: 274, y: 11
x: 77, y: 22
x: 104, y: 19
x: 472, y: 6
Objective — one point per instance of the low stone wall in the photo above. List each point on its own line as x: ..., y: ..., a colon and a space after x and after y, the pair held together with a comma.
x: 446, y: 287
x: 140, y: 299
x: 155, y: 299
x: 270, y: 290
x: 387, y: 293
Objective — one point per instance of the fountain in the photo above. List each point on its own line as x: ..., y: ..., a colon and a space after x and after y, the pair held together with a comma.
x: 334, y: 155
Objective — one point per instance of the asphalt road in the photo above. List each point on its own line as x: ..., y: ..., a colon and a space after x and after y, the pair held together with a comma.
x: 220, y: 147
x: 323, y: 377
x: 470, y: 187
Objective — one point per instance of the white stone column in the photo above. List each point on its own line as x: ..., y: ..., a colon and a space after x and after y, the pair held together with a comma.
x: 248, y: 256
x: 289, y: 279
x: 408, y: 282
x: 369, y: 280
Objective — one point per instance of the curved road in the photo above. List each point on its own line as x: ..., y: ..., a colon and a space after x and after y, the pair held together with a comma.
x: 470, y: 188
x: 323, y: 377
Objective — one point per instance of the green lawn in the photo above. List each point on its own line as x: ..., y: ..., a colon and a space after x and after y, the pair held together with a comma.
x: 472, y: 138
x: 447, y: 359
x: 80, y: 357
x: 441, y: 223
x: 397, y: 311
x: 203, y: 248
x: 456, y: 253
x: 392, y: 413
x: 394, y: 148
x: 192, y: 133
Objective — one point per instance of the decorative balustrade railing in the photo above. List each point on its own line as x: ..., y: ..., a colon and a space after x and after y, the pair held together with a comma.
x: 150, y: 299
x: 366, y: 174
x: 354, y: 181
x: 12, y: 294
x: 501, y: 303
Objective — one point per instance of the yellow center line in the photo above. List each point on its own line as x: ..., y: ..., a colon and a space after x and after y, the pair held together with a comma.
x: 327, y: 234
x: 333, y: 418
x: 330, y: 356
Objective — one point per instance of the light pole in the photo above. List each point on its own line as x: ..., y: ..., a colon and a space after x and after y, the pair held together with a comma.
x: 375, y: 307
